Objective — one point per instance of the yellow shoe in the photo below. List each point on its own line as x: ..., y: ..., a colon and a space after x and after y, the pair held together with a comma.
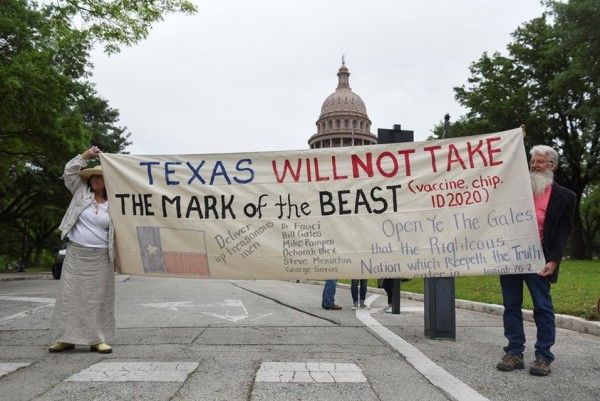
x: 102, y: 348
x: 59, y: 347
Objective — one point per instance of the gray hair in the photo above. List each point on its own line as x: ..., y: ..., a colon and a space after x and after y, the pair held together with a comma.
x: 550, y: 154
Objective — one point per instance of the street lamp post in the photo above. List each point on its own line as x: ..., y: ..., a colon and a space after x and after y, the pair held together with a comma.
x: 439, y: 294
x: 395, y: 135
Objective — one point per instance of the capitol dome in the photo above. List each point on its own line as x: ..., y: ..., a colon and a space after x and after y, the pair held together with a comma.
x: 343, y: 120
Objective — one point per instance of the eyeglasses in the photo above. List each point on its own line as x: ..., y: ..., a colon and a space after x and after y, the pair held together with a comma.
x: 534, y: 162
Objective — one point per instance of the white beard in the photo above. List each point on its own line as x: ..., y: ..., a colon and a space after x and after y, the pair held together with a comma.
x: 540, y: 181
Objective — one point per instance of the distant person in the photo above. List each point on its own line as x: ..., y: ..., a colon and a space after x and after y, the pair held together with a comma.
x: 84, y: 310
x: 388, y: 285
x: 328, y: 301
x: 554, y: 207
x: 358, y: 299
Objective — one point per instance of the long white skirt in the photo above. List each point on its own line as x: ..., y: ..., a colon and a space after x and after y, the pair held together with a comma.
x: 84, y: 312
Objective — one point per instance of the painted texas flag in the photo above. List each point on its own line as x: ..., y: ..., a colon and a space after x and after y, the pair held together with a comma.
x: 175, y: 251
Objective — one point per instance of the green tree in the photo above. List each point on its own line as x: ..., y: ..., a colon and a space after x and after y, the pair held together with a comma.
x: 548, y: 81
x: 49, y: 109
x: 590, y: 216
x: 38, y: 228
x: 114, y: 23
x: 44, y: 67
x: 101, y: 120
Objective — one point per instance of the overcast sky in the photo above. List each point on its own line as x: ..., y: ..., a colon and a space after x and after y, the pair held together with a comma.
x: 251, y: 75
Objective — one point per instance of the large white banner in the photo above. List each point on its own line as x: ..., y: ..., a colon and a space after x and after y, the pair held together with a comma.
x: 453, y: 207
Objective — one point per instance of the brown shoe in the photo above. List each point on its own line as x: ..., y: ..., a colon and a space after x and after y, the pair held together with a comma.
x: 540, y: 367
x: 510, y: 362
x: 333, y: 307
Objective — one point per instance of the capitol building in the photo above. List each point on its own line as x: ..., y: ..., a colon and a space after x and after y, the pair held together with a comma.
x: 343, y: 120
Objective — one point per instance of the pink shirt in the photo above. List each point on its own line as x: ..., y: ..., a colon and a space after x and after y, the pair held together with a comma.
x: 541, y: 204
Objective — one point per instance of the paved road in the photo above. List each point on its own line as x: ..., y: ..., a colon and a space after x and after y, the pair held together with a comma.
x: 269, y: 340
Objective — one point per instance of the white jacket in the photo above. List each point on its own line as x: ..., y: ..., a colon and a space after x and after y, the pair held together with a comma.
x: 82, y: 197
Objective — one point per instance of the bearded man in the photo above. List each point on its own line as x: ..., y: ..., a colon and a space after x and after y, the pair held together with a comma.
x: 554, y: 207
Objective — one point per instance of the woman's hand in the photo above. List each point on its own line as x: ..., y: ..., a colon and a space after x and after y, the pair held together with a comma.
x: 91, y: 153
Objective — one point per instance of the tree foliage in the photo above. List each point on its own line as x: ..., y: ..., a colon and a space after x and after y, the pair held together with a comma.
x: 49, y: 108
x: 590, y: 216
x: 549, y: 80
x: 115, y: 23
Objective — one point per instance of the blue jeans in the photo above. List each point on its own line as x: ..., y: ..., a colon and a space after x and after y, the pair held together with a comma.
x: 543, y: 314
x: 354, y: 290
x: 329, y: 293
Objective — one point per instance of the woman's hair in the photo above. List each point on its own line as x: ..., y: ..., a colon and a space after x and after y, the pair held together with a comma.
x: 89, y: 183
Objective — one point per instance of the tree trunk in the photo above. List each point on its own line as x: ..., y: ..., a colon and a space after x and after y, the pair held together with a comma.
x: 22, y: 255
x: 37, y: 256
x: 577, y: 241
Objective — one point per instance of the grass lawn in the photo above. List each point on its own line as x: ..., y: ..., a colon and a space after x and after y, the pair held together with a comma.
x: 576, y: 293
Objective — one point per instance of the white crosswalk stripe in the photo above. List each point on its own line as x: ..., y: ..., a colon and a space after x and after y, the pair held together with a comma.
x: 135, y: 372
x: 9, y: 367
x: 309, y: 372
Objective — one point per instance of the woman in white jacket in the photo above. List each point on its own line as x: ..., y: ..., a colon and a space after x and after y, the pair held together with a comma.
x: 84, y: 310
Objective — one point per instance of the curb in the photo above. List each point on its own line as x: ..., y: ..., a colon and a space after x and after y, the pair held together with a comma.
x: 25, y: 276
x: 563, y: 321
x: 568, y: 322
x: 119, y: 278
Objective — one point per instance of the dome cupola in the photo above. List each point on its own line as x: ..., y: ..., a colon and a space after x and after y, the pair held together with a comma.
x: 343, y: 120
